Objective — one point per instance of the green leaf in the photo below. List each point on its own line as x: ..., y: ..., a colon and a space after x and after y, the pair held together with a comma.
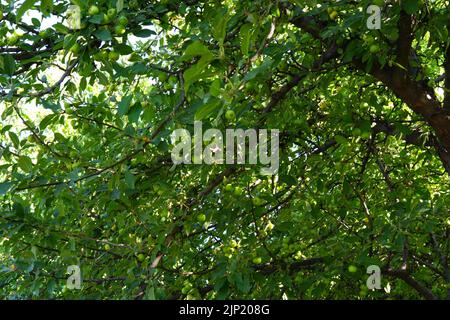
x: 258, y: 70
x: 207, y: 109
x: 14, y: 138
x: 130, y: 179
x: 119, y: 5
x: 196, y: 49
x: 410, y: 6
x: 46, y: 7
x: 144, y: 33
x: 46, y: 121
x: 7, y: 64
x: 135, y: 113
x: 124, y: 105
x: 4, y: 187
x: 25, y: 163
x: 27, y: 5
x: 50, y: 105
x: 245, y: 35
x: 103, y: 34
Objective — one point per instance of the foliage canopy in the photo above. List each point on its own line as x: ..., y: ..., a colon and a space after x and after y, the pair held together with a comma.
x: 86, y: 176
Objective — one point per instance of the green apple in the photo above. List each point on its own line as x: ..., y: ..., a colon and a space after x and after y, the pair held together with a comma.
x: 113, y: 56
x: 257, y: 201
x: 107, y: 247
x: 374, y: 48
x: 111, y: 13
x: 12, y: 39
x: 103, y: 54
x: 229, y: 187
x: 93, y: 10
x: 323, y: 104
x: 230, y: 115
x: 44, y: 33
x: 356, y: 132
x: 257, y: 260
x: 134, y: 4
x: 123, y: 20
x: 141, y: 257
x: 119, y: 29
x: 333, y: 15
x: 201, y: 218
x: 238, y: 191
x: 352, y: 268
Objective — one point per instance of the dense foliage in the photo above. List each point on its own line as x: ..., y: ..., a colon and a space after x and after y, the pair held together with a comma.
x: 86, y: 176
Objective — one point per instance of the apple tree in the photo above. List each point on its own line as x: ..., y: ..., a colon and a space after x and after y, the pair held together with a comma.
x: 90, y: 92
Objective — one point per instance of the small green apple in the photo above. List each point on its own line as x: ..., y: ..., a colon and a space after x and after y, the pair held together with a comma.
x: 201, y: 218
x: 352, y: 268
x: 374, y: 48
x: 113, y: 56
x: 257, y: 260
x: 141, y: 257
x: 119, y: 29
x: 111, y: 13
x: 333, y: 15
x: 93, y: 10
x: 123, y: 20
x: 230, y: 115
x: 257, y: 201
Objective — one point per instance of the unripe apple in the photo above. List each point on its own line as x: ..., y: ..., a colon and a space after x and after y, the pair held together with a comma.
x: 111, y: 13
x: 230, y: 115
x: 229, y: 187
x: 374, y: 48
x: 103, y: 54
x: 141, y: 257
x: 257, y: 201
x: 352, y: 268
x: 238, y: 191
x: 123, y: 20
x: 333, y: 15
x: 257, y: 260
x: 134, y: 4
x: 119, y: 29
x: 93, y: 10
x: 201, y: 218
x: 113, y: 56
x: 12, y: 40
